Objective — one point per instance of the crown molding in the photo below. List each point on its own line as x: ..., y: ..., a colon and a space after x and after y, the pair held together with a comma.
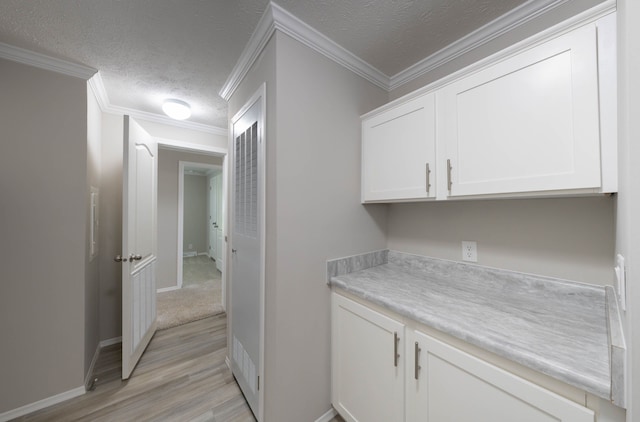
x: 165, y: 120
x: 96, y: 85
x: 43, y: 61
x: 300, y: 31
x: 276, y: 18
x: 497, y: 27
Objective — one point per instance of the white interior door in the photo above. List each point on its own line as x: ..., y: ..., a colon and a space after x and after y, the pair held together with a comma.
x: 213, y: 218
x: 139, y: 243
x: 247, y: 257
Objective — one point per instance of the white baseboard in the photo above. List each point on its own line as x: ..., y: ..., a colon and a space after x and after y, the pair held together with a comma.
x: 109, y: 342
x: 41, y: 404
x: 228, y: 362
x: 331, y: 413
x: 203, y: 253
x: 89, y: 375
x: 168, y: 289
x: 189, y: 254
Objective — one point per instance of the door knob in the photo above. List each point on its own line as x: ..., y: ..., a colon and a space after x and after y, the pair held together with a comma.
x: 133, y: 257
x: 118, y: 258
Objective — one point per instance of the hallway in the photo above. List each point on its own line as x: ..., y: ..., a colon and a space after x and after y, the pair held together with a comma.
x: 199, y: 297
x: 182, y: 376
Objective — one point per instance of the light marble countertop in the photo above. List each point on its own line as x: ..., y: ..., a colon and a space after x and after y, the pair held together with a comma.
x: 554, y: 326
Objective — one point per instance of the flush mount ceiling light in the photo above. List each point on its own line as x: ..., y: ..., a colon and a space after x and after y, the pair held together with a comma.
x: 176, y: 109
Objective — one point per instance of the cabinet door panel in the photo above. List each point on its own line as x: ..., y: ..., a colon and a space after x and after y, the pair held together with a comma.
x: 455, y: 386
x: 366, y: 385
x: 397, y: 145
x: 529, y: 123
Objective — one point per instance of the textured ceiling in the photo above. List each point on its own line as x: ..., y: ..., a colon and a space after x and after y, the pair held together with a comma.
x: 149, y: 50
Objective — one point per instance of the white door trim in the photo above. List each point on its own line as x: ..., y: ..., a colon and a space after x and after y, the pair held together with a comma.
x: 259, y: 95
x: 180, y: 240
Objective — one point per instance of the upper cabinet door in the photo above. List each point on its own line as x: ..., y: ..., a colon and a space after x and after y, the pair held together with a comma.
x: 529, y: 123
x: 398, y: 152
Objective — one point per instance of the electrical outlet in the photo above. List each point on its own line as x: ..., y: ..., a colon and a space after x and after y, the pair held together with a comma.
x: 190, y: 246
x: 469, y: 251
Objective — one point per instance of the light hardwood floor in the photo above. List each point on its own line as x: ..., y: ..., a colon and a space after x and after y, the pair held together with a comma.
x: 182, y: 376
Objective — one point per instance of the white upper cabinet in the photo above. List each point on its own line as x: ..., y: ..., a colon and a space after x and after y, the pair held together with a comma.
x: 529, y: 123
x: 398, y: 152
x: 537, y: 119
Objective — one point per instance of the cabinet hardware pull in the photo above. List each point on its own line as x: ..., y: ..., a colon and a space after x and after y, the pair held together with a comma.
x: 396, y: 340
x: 428, y: 179
x: 449, y: 181
x: 416, y: 366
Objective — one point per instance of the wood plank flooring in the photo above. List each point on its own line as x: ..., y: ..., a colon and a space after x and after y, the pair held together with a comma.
x: 182, y: 376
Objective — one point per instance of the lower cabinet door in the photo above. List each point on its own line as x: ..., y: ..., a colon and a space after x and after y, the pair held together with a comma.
x: 367, y: 363
x: 453, y: 386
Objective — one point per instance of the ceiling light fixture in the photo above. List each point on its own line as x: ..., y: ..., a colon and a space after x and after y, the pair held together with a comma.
x: 176, y: 109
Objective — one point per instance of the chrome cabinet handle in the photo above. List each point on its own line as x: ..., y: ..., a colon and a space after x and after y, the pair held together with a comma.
x: 449, y: 181
x: 395, y: 349
x: 133, y: 257
x: 234, y: 250
x: 416, y: 364
x: 428, y: 179
x: 118, y: 258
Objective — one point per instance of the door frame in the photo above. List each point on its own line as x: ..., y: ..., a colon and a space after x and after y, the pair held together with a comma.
x: 173, y: 145
x: 258, y: 95
x: 180, y: 249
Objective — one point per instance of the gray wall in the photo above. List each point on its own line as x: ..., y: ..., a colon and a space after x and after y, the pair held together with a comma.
x: 570, y: 238
x: 111, y: 214
x: 313, y: 213
x: 43, y: 179
x: 168, y: 211
x: 628, y: 206
x: 92, y: 274
x: 195, y: 216
x: 110, y: 302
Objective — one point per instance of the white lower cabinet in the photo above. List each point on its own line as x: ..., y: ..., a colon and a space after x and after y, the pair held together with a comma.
x: 367, y: 367
x: 383, y: 370
x: 447, y: 384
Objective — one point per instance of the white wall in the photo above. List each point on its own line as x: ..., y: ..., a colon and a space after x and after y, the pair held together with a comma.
x: 168, y: 166
x: 313, y: 213
x: 92, y: 274
x: 43, y: 178
x: 628, y: 209
x: 111, y: 212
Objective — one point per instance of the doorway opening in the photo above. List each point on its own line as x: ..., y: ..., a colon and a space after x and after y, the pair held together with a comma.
x: 196, y: 288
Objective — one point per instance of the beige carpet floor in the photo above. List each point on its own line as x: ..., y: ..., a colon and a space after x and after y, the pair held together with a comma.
x: 199, y: 297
